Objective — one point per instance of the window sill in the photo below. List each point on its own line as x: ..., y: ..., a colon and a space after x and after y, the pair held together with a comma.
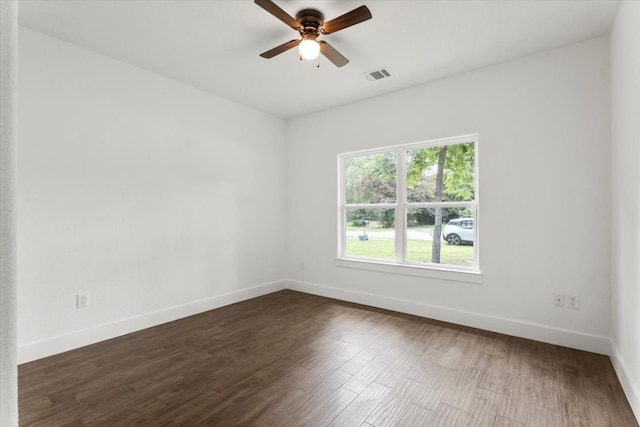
x: 412, y: 270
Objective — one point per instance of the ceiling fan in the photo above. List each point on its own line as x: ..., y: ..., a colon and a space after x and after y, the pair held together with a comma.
x: 310, y: 24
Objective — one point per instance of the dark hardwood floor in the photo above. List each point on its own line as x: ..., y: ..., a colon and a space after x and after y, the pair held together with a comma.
x: 291, y: 359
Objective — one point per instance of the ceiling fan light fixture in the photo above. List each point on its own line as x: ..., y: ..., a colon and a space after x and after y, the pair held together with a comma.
x: 309, y: 49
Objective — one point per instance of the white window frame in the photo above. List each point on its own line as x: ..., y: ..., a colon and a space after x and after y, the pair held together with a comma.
x: 401, y: 265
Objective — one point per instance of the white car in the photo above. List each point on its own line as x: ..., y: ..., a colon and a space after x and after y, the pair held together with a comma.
x: 458, y: 231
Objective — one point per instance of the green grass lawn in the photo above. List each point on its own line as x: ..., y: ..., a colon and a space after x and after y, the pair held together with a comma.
x: 418, y: 251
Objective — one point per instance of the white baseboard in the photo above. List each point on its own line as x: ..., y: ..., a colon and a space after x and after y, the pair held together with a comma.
x: 36, y: 350
x: 563, y: 337
x: 630, y: 387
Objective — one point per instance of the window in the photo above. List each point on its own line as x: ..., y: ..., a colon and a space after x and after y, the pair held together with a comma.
x: 411, y: 205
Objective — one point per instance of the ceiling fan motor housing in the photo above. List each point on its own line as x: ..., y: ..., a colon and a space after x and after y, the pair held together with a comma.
x: 311, y: 21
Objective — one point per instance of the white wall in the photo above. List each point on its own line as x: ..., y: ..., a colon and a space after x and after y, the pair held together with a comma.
x: 625, y: 238
x: 8, y: 256
x: 543, y: 122
x: 156, y: 199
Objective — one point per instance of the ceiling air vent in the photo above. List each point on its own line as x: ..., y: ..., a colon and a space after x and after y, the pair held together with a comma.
x: 377, y: 74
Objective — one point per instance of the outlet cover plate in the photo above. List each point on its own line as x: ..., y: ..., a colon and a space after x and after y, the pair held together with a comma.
x: 82, y: 301
x: 573, y: 301
x: 558, y: 300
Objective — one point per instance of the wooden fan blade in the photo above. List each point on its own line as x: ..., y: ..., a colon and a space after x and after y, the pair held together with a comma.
x: 354, y: 17
x: 332, y: 55
x: 275, y: 10
x: 279, y: 49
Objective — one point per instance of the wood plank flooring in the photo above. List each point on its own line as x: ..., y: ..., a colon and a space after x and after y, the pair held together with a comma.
x: 292, y: 359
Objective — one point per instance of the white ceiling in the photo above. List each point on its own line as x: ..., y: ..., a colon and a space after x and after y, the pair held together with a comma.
x: 214, y: 45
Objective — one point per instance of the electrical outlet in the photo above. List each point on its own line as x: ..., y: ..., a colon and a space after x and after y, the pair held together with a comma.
x: 558, y: 300
x: 573, y: 301
x: 82, y: 300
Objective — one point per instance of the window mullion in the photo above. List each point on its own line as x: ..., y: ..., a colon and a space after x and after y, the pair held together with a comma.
x: 342, y: 211
x: 371, y: 206
x: 401, y: 210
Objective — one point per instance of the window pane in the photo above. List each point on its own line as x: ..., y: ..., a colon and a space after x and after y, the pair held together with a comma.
x: 370, y: 233
x: 450, y: 243
x: 454, y: 181
x: 371, y: 179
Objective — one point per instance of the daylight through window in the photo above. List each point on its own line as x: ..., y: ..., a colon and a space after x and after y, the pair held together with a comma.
x: 411, y: 204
